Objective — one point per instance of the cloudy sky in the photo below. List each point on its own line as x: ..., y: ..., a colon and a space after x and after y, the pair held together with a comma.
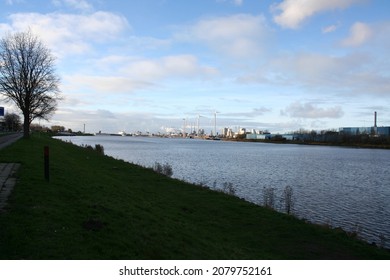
x: 279, y: 65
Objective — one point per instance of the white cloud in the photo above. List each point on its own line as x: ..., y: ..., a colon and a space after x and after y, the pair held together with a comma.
x: 256, y: 112
x: 106, y: 120
x: 168, y: 67
x: 360, y: 33
x: 291, y: 13
x: 129, y: 74
x: 320, y: 71
x: 76, y: 4
x: 13, y: 2
x: 311, y: 111
x: 4, y: 29
x: 234, y: 2
x: 330, y: 28
x: 105, y: 84
x: 240, y: 36
x: 69, y: 33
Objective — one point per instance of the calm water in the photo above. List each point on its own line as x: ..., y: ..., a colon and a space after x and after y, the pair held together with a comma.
x: 342, y: 187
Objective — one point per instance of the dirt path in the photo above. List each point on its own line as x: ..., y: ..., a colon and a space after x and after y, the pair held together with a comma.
x: 7, y: 170
x: 9, y: 139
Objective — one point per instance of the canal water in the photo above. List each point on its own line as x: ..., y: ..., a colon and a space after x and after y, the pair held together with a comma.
x: 336, y: 186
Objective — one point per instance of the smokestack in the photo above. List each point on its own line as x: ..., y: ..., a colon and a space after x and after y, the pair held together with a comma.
x: 375, y: 116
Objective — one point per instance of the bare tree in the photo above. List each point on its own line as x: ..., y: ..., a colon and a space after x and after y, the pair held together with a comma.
x: 27, y: 77
x: 12, y: 122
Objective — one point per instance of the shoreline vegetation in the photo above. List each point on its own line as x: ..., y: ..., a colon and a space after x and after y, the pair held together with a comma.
x: 315, y: 143
x: 98, y: 207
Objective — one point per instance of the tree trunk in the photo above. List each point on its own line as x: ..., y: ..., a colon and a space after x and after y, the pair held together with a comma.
x: 26, y: 127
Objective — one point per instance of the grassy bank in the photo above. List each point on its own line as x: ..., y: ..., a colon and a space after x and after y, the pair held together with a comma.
x: 96, y: 207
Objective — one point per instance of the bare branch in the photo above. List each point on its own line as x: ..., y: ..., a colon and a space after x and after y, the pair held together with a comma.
x: 27, y: 76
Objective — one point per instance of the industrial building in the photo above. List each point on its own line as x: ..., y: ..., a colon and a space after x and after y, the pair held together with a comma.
x: 372, y: 130
x: 378, y: 131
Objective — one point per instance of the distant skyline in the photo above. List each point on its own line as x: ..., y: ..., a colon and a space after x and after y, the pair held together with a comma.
x: 145, y: 65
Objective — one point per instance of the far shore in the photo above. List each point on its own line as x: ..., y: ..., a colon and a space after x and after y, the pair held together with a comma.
x: 346, y: 145
x: 268, y: 141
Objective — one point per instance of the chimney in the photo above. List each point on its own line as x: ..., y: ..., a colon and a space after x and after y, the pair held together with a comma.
x: 375, y: 116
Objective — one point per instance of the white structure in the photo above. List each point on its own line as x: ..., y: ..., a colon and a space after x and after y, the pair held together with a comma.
x: 242, y: 131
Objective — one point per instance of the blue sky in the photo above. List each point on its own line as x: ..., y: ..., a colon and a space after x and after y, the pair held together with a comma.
x: 269, y: 65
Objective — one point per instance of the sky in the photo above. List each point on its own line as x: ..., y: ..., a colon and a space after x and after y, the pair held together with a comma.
x: 167, y: 65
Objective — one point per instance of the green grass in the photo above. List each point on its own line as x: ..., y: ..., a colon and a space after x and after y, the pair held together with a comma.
x: 96, y: 207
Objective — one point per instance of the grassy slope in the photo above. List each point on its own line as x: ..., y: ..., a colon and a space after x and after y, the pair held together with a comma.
x: 97, y: 207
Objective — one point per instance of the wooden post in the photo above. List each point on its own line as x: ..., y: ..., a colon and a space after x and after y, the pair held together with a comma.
x: 46, y: 162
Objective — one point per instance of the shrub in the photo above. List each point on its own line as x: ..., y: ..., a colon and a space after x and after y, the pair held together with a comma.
x: 100, y: 149
x: 229, y: 188
x: 269, y: 197
x: 164, y: 169
x: 88, y: 147
x: 167, y: 170
x: 288, y: 199
x: 382, y: 240
x: 157, y: 167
